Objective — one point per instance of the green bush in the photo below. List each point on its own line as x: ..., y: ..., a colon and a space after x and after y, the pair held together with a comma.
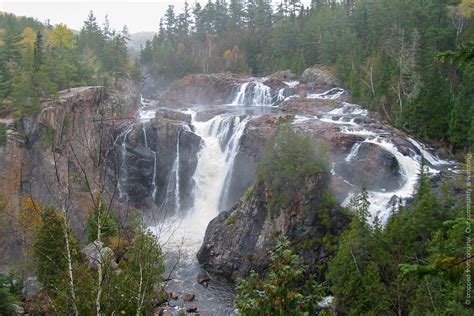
x: 288, y: 161
x: 9, y: 291
x: 284, y: 290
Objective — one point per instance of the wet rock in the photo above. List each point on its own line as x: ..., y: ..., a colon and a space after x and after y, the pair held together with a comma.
x: 377, y: 169
x: 203, y: 277
x: 284, y: 75
x: 275, y: 83
x: 173, y: 295
x: 188, y: 297
x: 173, y: 115
x: 191, y: 308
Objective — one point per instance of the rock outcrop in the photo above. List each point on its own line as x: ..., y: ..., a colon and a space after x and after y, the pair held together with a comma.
x: 205, y: 89
x: 148, y: 153
x: 320, y: 76
x: 59, y: 148
x: 238, y: 240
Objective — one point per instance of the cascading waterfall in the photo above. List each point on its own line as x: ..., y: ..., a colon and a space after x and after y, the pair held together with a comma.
x: 253, y: 93
x: 353, y: 153
x: 410, y: 165
x: 123, y: 175
x: 240, y: 97
x: 262, y: 95
x: 215, y: 161
x: 176, y: 169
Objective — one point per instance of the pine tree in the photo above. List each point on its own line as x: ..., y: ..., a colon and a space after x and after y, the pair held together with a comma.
x: 38, y: 51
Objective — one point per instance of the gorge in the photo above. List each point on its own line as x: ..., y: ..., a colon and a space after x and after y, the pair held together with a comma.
x: 188, y: 163
x: 192, y: 155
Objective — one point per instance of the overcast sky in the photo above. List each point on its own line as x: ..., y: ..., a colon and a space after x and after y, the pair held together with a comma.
x: 138, y: 15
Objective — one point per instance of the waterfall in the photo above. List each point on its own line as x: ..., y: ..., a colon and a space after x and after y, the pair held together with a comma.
x: 332, y: 94
x: 354, y: 152
x: 253, y: 93
x: 434, y: 161
x: 240, y: 97
x: 177, y: 195
x: 123, y: 175
x: 345, y: 118
x: 231, y: 152
x: 262, y: 95
x: 215, y: 161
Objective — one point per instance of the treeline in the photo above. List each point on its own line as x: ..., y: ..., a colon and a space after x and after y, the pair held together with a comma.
x: 386, y: 52
x: 37, y: 60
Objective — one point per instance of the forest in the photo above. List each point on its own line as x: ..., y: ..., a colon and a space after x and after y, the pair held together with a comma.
x: 389, y: 53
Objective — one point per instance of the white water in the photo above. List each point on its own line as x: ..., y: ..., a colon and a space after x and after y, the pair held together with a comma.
x: 353, y: 153
x: 410, y: 165
x: 213, y: 169
x: 240, y: 97
x: 409, y: 170
x: 261, y: 94
x: 123, y: 174
x: 435, y: 161
x: 332, y: 94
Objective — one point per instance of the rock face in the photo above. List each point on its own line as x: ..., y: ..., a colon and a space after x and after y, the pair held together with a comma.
x: 149, y: 153
x: 238, y: 240
x: 55, y: 149
x: 201, y: 89
x: 376, y: 169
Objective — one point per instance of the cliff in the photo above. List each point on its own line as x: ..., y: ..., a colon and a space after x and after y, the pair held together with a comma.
x: 54, y: 158
x: 238, y: 240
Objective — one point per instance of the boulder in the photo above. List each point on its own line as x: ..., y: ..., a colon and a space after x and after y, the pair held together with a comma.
x: 320, y: 76
x: 173, y: 115
x: 96, y: 254
x: 203, y: 277
x: 284, y: 75
x: 188, y: 297
x: 377, y: 169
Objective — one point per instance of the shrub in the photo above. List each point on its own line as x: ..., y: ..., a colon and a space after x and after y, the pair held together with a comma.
x: 284, y: 290
x: 288, y: 161
x: 107, y: 221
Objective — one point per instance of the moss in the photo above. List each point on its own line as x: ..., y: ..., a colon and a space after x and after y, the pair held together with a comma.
x: 47, y: 137
x: 3, y: 134
x: 249, y: 192
x: 288, y: 161
x: 230, y: 220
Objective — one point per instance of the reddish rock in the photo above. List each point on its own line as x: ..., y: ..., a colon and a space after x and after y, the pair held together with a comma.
x: 188, y: 297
